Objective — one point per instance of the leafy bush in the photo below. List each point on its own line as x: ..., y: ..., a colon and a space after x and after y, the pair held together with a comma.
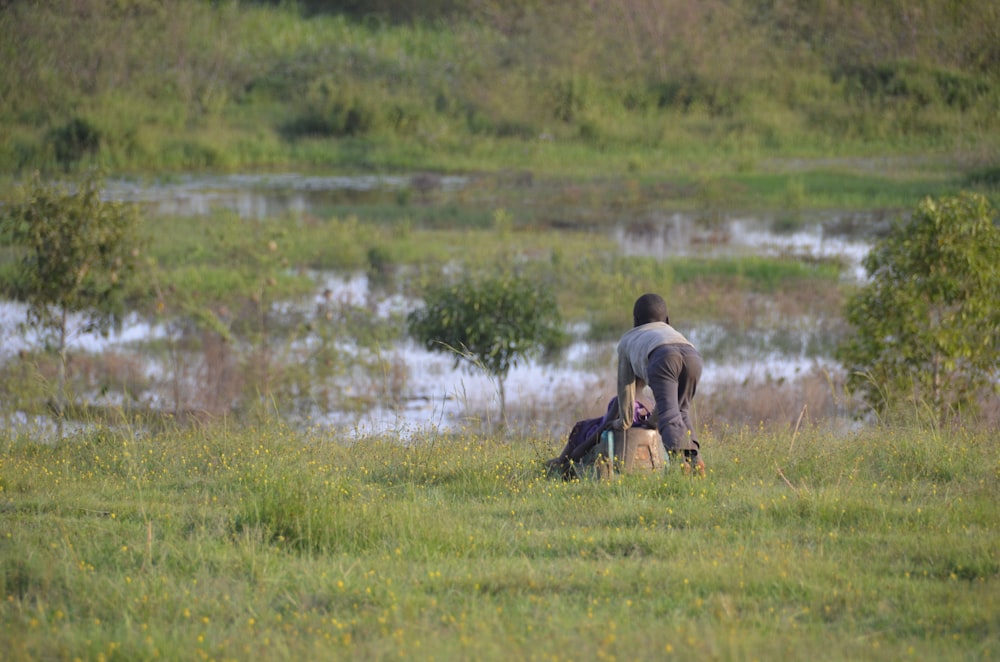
x: 74, y: 140
x: 74, y: 252
x: 988, y: 177
x: 904, y: 82
x: 926, y: 323
x: 492, y: 322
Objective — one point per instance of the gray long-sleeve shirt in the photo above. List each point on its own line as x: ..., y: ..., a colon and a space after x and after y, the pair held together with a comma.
x: 634, y: 349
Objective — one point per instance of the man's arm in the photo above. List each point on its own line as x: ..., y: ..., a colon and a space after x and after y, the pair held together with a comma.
x: 626, y: 391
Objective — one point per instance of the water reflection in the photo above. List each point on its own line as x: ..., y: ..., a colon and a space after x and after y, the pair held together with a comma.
x: 429, y: 391
x: 823, y: 235
x: 264, y: 196
x: 435, y: 393
x: 685, y: 234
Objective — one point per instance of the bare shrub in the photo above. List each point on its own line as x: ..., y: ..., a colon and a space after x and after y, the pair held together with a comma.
x: 817, y: 395
x: 109, y: 372
x: 218, y: 382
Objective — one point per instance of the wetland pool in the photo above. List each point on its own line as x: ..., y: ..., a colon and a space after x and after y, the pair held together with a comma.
x: 428, y: 390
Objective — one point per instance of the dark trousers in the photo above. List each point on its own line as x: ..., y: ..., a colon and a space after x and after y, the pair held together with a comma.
x: 674, y: 371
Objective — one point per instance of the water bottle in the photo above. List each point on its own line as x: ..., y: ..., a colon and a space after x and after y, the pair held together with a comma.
x: 608, y: 437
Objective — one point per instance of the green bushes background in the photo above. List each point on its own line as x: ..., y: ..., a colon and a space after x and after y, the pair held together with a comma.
x: 148, y: 86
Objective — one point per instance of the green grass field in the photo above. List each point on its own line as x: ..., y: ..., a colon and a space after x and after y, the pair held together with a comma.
x: 237, y: 542
x: 267, y: 543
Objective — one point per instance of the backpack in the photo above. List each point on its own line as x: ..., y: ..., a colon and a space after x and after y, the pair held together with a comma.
x: 583, y: 437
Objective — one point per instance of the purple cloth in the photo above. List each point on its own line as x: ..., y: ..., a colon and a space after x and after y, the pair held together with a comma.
x: 580, y: 439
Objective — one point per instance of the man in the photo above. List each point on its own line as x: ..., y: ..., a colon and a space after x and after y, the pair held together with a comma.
x: 655, y: 354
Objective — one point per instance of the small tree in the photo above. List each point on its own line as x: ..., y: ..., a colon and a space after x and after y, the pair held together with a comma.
x: 491, y: 323
x: 75, y: 254
x: 927, y: 321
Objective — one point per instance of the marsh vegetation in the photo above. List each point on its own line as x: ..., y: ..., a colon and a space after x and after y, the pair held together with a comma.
x: 306, y: 172
x: 303, y: 314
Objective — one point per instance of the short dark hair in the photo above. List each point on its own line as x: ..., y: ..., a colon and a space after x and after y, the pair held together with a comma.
x: 649, y: 308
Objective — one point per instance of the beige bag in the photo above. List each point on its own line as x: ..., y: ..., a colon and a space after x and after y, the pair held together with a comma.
x: 639, y: 450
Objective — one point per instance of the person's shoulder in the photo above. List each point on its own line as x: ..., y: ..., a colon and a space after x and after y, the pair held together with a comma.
x: 626, y: 339
x: 651, y: 327
x: 634, y: 331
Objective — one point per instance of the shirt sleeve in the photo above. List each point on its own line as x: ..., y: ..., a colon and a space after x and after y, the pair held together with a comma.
x: 626, y: 389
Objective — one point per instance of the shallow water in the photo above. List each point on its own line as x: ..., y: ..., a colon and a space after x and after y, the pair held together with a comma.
x: 265, y: 196
x: 433, y: 392
x: 437, y: 394
x: 661, y: 234
x: 682, y: 234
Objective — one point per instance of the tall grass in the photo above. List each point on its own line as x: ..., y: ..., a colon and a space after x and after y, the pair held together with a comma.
x: 224, y: 542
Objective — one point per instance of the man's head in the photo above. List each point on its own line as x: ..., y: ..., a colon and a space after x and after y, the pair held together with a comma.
x: 649, y: 308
